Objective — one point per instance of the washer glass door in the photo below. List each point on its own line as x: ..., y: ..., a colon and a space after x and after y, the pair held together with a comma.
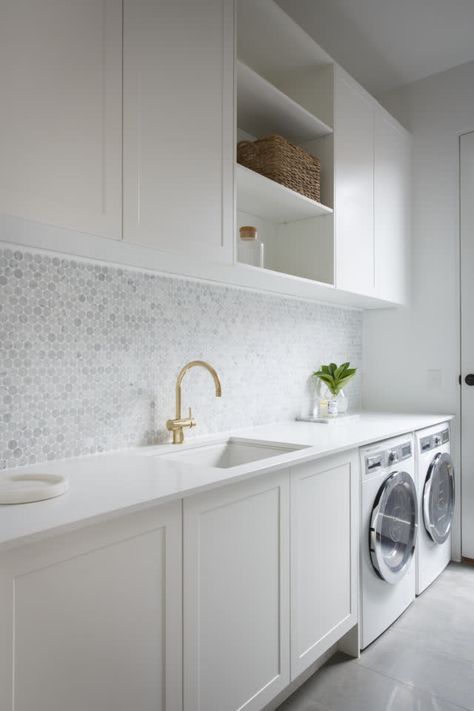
x: 393, y: 527
x: 438, y: 498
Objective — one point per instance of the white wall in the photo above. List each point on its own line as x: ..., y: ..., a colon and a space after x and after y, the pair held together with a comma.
x: 419, y: 346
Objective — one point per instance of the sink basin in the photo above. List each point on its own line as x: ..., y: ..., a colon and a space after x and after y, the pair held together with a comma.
x: 231, y: 453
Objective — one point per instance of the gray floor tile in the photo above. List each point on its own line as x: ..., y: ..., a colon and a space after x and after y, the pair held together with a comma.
x: 302, y: 704
x: 455, y: 586
x: 404, y: 657
x: 446, y: 627
x: 348, y: 686
x: 425, y: 662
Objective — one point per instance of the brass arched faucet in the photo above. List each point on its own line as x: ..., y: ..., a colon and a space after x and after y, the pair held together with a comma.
x: 177, y: 425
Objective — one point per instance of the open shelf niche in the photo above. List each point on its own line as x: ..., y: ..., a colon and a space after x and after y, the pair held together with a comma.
x: 298, y: 232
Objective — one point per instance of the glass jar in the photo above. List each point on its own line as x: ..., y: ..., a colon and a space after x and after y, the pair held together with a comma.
x: 332, y: 407
x: 342, y: 403
x: 250, y: 249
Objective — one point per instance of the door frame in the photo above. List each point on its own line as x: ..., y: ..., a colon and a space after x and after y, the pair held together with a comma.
x: 459, y: 506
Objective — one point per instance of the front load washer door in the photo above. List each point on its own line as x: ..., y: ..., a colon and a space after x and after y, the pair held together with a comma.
x: 438, y: 498
x: 393, y: 525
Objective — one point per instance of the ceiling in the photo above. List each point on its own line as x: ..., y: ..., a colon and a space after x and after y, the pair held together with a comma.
x: 388, y: 43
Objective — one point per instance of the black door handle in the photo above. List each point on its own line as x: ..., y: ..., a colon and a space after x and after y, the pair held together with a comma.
x: 469, y: 379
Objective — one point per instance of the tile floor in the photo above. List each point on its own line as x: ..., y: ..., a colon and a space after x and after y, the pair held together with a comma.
x: 425, y: 662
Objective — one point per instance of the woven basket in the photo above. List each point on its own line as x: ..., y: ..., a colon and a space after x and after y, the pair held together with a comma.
x: 281, y: 161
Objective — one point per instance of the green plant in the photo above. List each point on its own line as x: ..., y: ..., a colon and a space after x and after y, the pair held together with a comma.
x: 335, y: 377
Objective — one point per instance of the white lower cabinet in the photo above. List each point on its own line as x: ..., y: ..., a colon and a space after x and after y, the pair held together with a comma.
x: 236, y: 595
x: 204, y: 600
x: 91, y: 620
x: 324, y: 554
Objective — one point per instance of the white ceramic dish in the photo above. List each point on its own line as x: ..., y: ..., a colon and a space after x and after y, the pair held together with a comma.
x: 26, y: 488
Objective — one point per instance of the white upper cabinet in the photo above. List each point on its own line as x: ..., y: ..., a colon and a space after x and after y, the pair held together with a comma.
x: 354, y: 187
x: 119, y: 119
x: 391, y: 207
x: 178, y: 126
x: 372, y: 195
x: 60, y: 114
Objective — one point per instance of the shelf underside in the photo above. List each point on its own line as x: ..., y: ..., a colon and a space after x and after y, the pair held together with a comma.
x: 262, y: 109
x: 265, y: 198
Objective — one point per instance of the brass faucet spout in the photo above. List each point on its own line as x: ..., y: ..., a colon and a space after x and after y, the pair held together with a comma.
x: 177, y: 425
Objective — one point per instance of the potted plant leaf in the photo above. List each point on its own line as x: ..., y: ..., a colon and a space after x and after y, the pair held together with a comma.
x: 335, y: 378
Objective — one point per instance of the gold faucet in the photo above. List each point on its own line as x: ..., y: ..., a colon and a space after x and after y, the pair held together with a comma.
x: 177, y: 425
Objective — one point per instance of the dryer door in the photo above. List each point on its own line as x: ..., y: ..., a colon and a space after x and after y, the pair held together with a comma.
x: 393, y: 527
x: 438, y: 498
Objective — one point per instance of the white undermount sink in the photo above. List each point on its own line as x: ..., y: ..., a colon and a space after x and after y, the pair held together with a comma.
x: 231, y: 453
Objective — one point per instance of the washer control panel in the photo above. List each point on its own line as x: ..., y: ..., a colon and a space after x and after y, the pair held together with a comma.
x: 433, y: 441
x: 387, y: 458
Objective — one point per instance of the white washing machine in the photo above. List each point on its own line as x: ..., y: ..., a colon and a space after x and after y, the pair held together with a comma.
x: 389, y: 515
x: 435, y: 486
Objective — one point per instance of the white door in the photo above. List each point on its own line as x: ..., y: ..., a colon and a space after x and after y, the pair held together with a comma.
x: 178, y: 126
x: 236, y: 596
x: 391, y: 207
x: 354, y: 187
x: 61, y: 113
x: 324, y: 545
x: 467, y: 342
x: 91, y: 620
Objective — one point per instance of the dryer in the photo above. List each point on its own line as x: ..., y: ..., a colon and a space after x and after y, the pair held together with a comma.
x: 435, y: 485
x: 389, y: 516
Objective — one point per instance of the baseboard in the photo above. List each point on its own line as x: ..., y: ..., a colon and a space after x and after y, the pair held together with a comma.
x: 467, y: 561
x: 349, y: 644
x: 300, y: 680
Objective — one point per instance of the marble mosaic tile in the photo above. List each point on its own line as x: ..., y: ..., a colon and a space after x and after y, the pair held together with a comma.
x: 89, y: 355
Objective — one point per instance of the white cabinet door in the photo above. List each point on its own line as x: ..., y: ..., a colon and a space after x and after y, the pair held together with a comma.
x: 178, y: 126
x: 354, y: 187
x: 236, y: 568
x: 391, y: 207
x: 61, y: 113
x: 324, y: 554
x: 92, y: 619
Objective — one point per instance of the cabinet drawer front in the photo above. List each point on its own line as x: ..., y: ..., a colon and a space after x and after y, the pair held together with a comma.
x: 92, y: 620
x: 236, y: 635
x: 391, y: 208
x: 354, y: 189
x: 178, y: 126
x: 61, y: 121
x: 323, y: 557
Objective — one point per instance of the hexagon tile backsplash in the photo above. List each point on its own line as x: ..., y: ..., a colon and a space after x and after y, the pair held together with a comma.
x: 89, y: 355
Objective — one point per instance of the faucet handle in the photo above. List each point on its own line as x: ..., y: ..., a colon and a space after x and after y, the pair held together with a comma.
x: 190, y: 416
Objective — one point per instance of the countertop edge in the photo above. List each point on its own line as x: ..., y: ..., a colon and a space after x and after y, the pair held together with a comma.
x: 295, y: 458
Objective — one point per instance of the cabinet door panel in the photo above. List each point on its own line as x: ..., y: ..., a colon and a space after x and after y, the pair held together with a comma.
x: 96, y: 618
x: 178, y: 126
x: 354, y: 186
x: 323, y: 557
x: 61, y: 113
x: 391, y: 208
x: 236, y: 628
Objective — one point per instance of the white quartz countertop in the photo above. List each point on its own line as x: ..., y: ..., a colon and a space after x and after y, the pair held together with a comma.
x: 104, y: 486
